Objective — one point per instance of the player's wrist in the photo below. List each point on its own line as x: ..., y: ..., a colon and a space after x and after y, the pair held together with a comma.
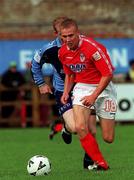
x: 40, y: 85
x: 65, y: 93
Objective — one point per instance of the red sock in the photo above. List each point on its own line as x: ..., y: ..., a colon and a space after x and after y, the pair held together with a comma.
x: 58, y: 127
x: 92, y: 149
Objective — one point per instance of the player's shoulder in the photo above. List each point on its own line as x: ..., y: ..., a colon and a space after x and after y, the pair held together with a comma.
x: 52, y: 44
x: 88, y: 40
x: 94, y: 44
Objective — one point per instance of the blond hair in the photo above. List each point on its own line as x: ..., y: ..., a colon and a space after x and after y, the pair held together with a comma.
x: 57, y: 22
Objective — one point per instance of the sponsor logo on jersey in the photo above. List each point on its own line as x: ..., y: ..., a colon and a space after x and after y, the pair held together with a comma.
x: 77, y: 67
x: 82, y: 57
x: 96, y: 56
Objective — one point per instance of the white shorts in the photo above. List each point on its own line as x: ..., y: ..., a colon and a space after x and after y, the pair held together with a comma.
x: 106, y: 103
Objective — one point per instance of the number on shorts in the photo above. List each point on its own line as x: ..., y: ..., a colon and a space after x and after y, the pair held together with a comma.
x: 110, y: 106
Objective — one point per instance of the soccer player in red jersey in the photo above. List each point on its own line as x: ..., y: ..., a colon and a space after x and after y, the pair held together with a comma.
x: 49, y: 54
x: 88, y: 63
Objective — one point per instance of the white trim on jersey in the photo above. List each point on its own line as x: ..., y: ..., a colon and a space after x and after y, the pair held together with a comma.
x: 101, y: 52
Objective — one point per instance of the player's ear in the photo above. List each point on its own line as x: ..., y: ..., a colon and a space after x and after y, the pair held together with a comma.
x: 78, y: 33
x: 55, y: 33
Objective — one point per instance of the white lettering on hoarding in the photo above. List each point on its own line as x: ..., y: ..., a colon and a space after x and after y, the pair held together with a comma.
x: 24, y: 56
x: 119, y: 57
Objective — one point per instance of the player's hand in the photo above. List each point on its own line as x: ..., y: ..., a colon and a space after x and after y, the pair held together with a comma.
x: 45, y: 89
x: 88, y: 100
x: 64, y: 98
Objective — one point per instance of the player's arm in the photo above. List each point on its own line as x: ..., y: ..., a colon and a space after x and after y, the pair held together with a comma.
x: 105, y: 80
x: 36, y: 70
x: 103, y: 64
x: 90, y: 100
x: 69, y: 77
x: 68, y: 84
x: 45, y: 89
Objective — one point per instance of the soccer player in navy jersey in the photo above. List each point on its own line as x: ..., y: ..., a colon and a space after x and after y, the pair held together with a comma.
x: 49, y: 54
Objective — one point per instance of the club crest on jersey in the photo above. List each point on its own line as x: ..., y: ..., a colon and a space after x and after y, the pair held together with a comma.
x: 96, y: 56
x: 82, y: 57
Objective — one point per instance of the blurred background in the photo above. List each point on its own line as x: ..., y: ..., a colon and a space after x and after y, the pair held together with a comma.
x: 27, y: 25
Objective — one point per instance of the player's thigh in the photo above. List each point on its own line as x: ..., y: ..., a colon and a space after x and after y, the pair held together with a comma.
x: 81, y: 115
x: 108, y: 129
x: 68, y: 117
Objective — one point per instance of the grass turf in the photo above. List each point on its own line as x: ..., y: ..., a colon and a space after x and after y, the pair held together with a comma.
x: 18, y: 145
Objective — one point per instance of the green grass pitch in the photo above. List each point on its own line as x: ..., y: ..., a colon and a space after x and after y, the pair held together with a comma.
x: 17, y: 146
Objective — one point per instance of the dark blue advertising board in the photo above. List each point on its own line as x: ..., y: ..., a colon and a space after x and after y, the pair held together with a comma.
x: 121, y: 52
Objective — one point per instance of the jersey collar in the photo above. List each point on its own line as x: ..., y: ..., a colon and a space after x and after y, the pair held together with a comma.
x: 80, y: 42
x: 58, y: 41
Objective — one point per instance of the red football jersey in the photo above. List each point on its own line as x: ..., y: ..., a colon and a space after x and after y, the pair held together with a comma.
x: 90, y: 61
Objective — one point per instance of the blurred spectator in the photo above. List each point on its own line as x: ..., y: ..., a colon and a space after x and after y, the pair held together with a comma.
x: 29, y: 80
x: 11, y: 79
x: 130, y: 74
x: 27, y: 73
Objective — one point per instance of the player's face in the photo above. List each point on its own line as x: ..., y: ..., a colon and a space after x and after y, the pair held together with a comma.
x: 70, y: 36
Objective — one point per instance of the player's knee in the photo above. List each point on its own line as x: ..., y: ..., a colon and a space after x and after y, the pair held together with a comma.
x: 93, y: 131
x: 80, y: 128
x: 71, y: 127
x: 108, y: 138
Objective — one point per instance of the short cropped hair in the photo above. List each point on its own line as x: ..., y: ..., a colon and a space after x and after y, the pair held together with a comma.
x: 69, y: 22
x: 58, y: 21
